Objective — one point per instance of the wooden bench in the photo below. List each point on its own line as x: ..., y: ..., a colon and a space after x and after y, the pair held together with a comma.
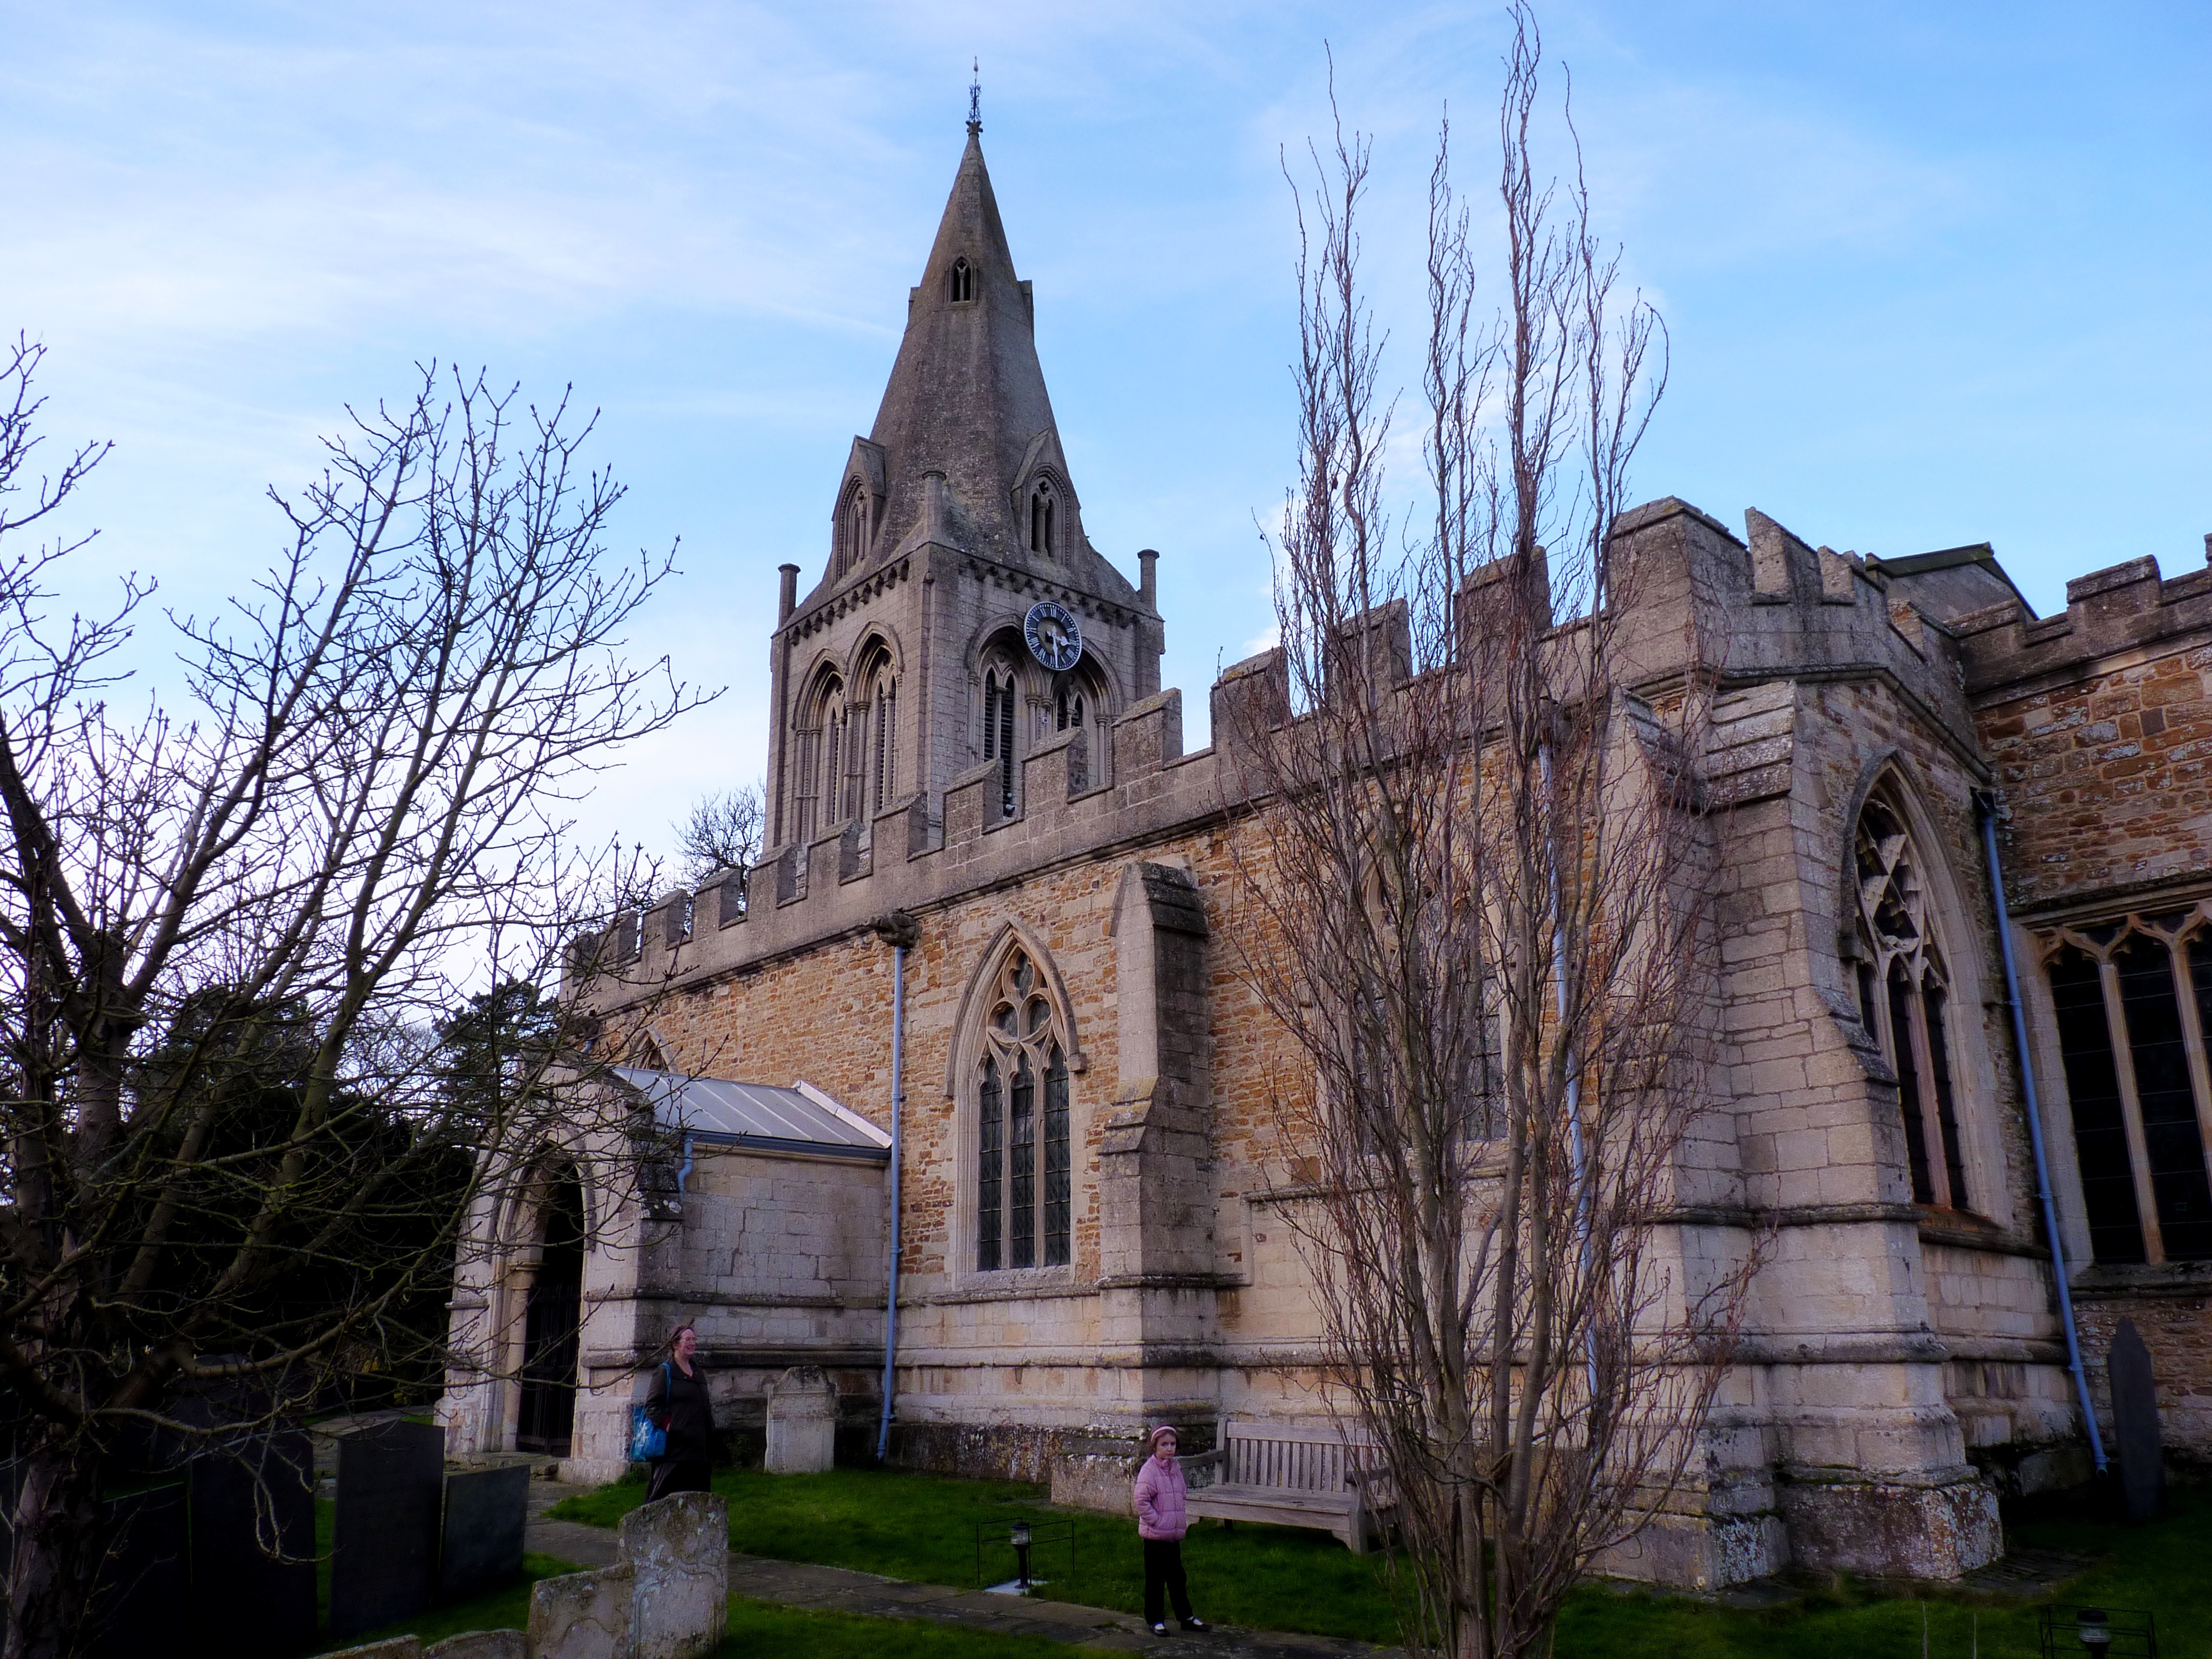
x: 1295, y: 1474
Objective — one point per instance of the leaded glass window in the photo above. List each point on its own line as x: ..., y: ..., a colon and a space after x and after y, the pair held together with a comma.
x: 1025, y: 1165
x: 1904, y: 1002
x: 2133, y: 1000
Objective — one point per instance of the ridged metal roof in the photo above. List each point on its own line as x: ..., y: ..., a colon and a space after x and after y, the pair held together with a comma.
x: 756, y: 1114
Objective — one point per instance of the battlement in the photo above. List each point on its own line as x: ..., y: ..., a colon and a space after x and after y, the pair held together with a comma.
x: 1698, y: 601
x: 1077, y: 794
x: 2121, y: 609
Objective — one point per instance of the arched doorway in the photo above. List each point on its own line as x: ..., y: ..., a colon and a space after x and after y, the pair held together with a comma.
x: 551, y: 1317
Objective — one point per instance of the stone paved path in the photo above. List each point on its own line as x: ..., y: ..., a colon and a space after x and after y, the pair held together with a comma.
x: 839, y: 1589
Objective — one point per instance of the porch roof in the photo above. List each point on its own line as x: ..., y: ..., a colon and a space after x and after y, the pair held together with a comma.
x: 722, y: 1111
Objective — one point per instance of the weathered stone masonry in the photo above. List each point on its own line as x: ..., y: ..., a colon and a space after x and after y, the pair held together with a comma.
x: 1903, y: 1363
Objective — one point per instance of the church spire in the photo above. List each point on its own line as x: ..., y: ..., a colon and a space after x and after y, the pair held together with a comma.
x: 966, y: 402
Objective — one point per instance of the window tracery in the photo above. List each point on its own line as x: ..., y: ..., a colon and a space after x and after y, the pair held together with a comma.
x: 1905, y: 1003
x: 2133, y: 1001
x: 1023, y: 1168
x: 960, y: 281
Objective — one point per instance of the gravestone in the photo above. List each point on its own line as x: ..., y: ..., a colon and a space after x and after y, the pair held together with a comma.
x: 391, y: 1479
x: 487, y: 1512
x: 2135, y: 1422
x: 677, y: 1551
x: 481, y: 1644
x: 142, y: 1587
x: 248, y: 1605
x: 582, y: 1615
x: 802, y: 1422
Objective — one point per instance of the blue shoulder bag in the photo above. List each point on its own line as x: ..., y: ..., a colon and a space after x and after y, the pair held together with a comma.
x: 649, y: 1439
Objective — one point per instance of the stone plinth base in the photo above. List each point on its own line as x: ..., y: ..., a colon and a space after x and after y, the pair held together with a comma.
x: 1700, y: 1552
x: 1893, y: 1531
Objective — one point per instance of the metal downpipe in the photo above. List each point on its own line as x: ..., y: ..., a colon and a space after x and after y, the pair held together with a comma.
x: 1985, y: 807
x: 901, y: 931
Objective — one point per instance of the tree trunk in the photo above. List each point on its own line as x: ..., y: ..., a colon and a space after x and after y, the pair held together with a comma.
x: 57, y: 1546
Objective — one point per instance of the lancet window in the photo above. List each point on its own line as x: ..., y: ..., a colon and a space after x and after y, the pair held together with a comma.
x: 960, y: 281
x: 818, y: 760
x: 1904, y: 1002
x: 1041, y: 517
x: 872, y: 738
x: 999, y: 691
x: 853, y: 529
x: 2133, y: 1000
x: 1023, y: 1179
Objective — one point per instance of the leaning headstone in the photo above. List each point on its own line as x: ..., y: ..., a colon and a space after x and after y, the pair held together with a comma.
x: 582, y: 1615
x: 391, y: 1477
x: 481, y: 1644
x: 142, y: 1584
x: 247, y: 1496
x: 2135, y: 1422
x: 802, y: 1422
x: 400, y: 1647
x: 678, y: 1551
x: 487, y: 1512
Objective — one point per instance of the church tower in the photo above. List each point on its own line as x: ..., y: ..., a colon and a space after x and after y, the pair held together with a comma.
x: 961, y: 615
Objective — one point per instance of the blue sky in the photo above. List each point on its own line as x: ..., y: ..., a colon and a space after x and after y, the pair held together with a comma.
x: 1933, y: 273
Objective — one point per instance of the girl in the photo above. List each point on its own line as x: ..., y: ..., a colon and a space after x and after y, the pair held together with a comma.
x: 1161, y: 1522
x: 679, y: 1404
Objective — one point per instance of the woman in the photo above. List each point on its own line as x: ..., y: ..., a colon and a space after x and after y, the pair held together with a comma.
x: 679, y: 1404
x: 1161, y: 1522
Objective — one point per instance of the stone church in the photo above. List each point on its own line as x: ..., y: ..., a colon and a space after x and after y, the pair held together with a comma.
x: 971, y: 751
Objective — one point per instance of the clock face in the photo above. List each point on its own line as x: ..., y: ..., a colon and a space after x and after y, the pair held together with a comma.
x: 1053, y: 638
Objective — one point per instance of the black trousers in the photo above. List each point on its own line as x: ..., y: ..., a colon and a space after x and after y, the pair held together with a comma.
x: 1163, y: 1571
x: 675, y: 1474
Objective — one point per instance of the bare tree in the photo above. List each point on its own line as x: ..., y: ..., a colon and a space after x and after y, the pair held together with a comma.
x: 234, y: 1156
x: 723, y: 833
x: 1476, y: 889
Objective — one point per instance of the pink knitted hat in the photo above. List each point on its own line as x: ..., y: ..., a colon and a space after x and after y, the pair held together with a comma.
x: 1154, y: 1440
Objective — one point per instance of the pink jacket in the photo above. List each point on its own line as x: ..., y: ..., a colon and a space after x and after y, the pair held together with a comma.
x: 1160, y: 1493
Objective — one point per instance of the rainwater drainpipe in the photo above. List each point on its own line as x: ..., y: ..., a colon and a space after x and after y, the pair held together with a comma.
x: 900, y: 931
x: 1986, y: 807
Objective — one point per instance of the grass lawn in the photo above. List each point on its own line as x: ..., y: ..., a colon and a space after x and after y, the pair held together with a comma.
x: 923, y: 1527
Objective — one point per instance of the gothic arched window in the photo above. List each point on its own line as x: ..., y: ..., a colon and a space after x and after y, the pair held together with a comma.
x: 871, y: 743
x: 1905, y: 1003
x: 853, y: 529
x: 2133, y: 1000
x: 1041, y: 515
x: 817, y: 758
x: 1066, y: 706
x: 960, y: 281
x: 999, y: 695
x: 1024, y: 1181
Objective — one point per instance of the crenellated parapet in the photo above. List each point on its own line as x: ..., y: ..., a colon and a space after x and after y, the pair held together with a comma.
x: 1770, y: 606
x: 2123, y: 609
x: 1750, y: 618
x: 1077, y: 792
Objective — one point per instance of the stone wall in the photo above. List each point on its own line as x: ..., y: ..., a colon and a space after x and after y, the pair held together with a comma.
x: 2098, y: 724
x: 1900, y: 1365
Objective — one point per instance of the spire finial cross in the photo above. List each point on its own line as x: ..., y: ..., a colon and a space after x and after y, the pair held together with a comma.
x: 976, y: 98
